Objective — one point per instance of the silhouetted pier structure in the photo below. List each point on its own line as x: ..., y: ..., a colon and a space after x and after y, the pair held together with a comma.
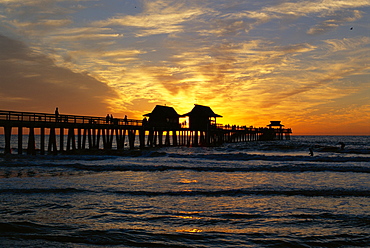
x: 60, y: 133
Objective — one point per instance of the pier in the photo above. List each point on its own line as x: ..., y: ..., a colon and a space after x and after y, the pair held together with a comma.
x: 58, y: 133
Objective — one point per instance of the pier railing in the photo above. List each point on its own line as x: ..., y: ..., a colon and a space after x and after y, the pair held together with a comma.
x: 42, y: 117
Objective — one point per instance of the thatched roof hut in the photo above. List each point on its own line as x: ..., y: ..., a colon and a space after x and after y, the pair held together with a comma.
x: 163, y: 116
x: 201, y: 117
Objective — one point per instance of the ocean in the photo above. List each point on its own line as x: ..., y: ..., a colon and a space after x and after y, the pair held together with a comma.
x: 247, y: 194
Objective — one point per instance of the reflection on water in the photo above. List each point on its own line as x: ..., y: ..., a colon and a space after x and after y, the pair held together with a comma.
x: 194, y: 230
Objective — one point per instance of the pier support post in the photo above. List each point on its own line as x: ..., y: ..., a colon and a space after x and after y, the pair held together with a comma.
x: 31, y: 148
x: 52, y: 147
x: 195, y: 139
x: 92, y: 138
x: 155, y: 134
x: 79, y: 141
x: 207, y: 138
x: 7, y: 133
x: 61, y: 139
x: 160, y: 137
x: 202, y: 139
x: 98, y: 138
x: 71, y: 141
x: 105, y: 135
x: 42, y: 141
x: 85, y: 134
x: 174, y: 138
x: 142, y: 137
x: 167, y: 140
x: 120, y: 138
x: 188, y: 137
x: 107, y: 138
x: 20, y: 140
x: 131, y: 138
x: 150, y: 138
x: 89, y: 138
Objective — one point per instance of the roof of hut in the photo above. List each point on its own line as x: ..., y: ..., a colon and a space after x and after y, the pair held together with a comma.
x: 200, y: 110
x: 160, y: 110
x: 275, y: 124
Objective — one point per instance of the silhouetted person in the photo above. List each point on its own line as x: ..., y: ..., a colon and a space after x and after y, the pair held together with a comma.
x: 107, y: 118
x: 111, y: 119
x: 145, y: 121
x: 56, y: 114
x: 125, y: 120
x: 311, y: 152
x: 342, y: 145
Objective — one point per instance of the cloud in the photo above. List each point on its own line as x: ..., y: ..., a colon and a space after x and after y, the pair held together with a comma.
x: 32, y: 82
x: 313, y: 77
x: 303, y: 8
x: 335, y: 12
x: 334, y: 20
x: 336, y: 45
x: 157, y: 18
x: 320, y: 96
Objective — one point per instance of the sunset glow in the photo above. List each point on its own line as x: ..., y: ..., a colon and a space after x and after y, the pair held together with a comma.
x: 305, y: 63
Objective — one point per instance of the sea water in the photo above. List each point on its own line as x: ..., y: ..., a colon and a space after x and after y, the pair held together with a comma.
x: 247, y: 194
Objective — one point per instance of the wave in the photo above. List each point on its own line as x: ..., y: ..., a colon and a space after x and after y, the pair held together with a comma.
x: 249, y: 157
x: 44, y: 191
x: 26, y: 234
x: 225, y: 155
x: 334, y: 192
x: 259, y: 168
x: 243, y: 192
x: 60, y: 170
x: 324, y: 154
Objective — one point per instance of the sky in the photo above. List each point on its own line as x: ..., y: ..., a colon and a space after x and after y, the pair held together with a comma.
x: 305, y: 63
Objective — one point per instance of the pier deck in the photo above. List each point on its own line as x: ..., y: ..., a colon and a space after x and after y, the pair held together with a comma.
x: 93, y: 133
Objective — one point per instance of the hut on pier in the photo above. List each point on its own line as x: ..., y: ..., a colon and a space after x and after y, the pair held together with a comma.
x: 163, y: 117
x: 273, y: 132
x: 201, y: 118
x: 275, y: 124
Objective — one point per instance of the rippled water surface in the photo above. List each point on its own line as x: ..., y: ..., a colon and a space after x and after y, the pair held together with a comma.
x: 254, y: 194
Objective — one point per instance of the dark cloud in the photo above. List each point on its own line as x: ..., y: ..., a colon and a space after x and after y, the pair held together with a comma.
x: 31, y: 81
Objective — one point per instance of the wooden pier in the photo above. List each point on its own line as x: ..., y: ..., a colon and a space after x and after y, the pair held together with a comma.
x: 66, y: 133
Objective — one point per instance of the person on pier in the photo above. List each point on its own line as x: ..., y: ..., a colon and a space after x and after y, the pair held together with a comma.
x: 56, y: 114
x: 145, y: 122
